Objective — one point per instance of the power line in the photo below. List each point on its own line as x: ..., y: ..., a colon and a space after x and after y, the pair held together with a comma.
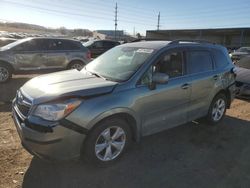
x: 140, y: 21
x: 133, y: 17
x: 53, y: 11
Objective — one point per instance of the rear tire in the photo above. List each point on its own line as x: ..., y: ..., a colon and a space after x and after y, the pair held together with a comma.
x: 76, y: 65
x: 107, y: 142
x: 217, y: 109
x: 5, y: 73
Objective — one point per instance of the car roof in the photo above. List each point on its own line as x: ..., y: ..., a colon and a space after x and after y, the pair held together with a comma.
x: 52, y: 38
x: 104, y: 40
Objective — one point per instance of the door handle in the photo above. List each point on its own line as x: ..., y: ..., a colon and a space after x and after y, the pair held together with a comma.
x: 185, y: 86
x: 215, y: 77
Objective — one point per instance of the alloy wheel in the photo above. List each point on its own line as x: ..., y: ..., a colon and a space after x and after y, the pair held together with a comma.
x: 110, y: 143
x: 218, y: 109
x: 4, y: 74
x: 77, y: 66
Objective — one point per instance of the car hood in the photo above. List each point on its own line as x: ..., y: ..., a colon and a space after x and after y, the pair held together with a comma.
x: 243, y: 75
x: 71, y: 83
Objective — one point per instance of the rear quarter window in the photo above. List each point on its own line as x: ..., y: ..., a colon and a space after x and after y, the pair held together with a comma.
x: 62, y: 45
x: 199, y: 61
x: 221, y: 60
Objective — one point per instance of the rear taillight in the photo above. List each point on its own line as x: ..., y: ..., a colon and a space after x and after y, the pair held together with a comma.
x: 89, y: 55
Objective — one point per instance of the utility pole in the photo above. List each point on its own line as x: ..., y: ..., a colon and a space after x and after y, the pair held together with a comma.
x: 115, y: 19
x: 158, y: 23
x: 134, y: 32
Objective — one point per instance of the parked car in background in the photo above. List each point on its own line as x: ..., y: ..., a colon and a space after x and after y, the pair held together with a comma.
x: 37, y: 54
x: 4, y: 41
x: 243, y: 78
x: 98, y: 47
x: 133, y: 90
x: 239, y: 53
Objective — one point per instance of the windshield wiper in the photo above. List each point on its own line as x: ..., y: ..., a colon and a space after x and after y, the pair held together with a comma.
x: 95, y: 74
x: 100, y: 76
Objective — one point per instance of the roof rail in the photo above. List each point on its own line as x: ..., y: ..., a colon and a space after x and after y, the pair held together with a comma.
x: 187, y: 40
x: 146, y: 39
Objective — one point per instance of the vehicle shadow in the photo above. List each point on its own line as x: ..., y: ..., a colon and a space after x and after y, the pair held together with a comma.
x: 191, y: 155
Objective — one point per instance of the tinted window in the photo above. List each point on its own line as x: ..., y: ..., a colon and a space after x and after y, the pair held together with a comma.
x: 63, y: 45
x: 71, y: 45
x: 171, y: 64
x: 220, y: 59
x: 32, y: 45
x: 109, y: 44
x: 98, y: 44
x: 199, y: 61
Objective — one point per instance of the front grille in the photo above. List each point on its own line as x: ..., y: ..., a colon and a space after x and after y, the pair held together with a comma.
x: 23, y: 104
x: 23, y: 109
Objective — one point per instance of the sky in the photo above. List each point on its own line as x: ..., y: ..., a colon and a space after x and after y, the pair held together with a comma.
x: 133, y: 15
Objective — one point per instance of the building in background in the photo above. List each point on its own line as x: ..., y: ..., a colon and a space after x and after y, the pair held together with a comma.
x: 231, y: 38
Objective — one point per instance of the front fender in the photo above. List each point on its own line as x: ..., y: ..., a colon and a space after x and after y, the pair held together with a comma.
x: 94, y: 110
x: 112, y: 112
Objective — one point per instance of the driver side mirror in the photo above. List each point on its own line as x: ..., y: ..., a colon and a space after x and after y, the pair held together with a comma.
x: 158, y: 78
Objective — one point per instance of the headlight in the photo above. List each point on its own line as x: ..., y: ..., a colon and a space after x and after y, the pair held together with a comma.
x: 56, y: 111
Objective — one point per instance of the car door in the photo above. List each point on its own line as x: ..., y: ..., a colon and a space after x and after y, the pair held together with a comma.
x: 200, y: 67
x: 57, y: 50
x: 108, y: 45
x: 166, y: 105
x: 97, y: 48
x: 30, y: 55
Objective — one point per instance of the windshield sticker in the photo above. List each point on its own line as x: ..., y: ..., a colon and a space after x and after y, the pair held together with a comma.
x: 149, y: 51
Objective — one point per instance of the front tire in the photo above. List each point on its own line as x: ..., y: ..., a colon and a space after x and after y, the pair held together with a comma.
x: 107, y: 142
x: 76, y: 65
x: 217, y: 109
x: 5, y: 73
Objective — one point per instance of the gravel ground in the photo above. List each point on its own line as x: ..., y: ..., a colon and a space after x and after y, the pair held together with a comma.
x: 191, y: 155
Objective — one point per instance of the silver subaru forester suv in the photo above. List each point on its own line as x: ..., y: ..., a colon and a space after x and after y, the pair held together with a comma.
x: 133, y: 90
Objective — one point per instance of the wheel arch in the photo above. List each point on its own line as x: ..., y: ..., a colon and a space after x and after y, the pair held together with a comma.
x: 7, y: 63
x: 75, y: 60
x: 125, y: 114
x: 227, y: 93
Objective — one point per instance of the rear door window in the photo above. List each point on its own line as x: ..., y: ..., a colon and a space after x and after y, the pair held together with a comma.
x: 62, y: 45
x: 98, y: 44
x: 199, y: 61
x: 70, y: 45
x: 109, y: 44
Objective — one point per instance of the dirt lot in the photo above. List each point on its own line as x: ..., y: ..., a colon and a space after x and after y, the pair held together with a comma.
x: 191, y: 155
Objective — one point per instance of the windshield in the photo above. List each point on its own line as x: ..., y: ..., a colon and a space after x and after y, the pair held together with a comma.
x: 13, y: 44
x: 86, y: 44
x: 119, y: 63
x: 243, y: 49
x: 244, y: 62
